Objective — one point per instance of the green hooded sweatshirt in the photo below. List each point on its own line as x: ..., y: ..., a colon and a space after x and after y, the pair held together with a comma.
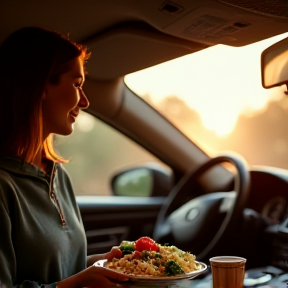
x: 42, y: 238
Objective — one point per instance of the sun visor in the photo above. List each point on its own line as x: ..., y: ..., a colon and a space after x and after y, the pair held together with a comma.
x: 126, y: 49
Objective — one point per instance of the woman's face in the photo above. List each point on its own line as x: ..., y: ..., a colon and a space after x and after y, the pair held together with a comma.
x: 62, y: 102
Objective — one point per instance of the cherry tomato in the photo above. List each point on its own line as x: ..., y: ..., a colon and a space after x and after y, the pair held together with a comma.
x: 146, y: 243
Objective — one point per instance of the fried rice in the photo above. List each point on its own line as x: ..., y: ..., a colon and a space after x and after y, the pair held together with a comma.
x: 151, y: 263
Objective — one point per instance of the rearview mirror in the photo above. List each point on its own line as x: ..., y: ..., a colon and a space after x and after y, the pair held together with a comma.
x: 274, y: 65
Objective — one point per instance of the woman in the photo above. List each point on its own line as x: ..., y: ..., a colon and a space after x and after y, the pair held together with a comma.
x: 42, y: 236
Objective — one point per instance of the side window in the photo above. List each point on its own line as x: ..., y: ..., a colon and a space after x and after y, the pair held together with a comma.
x: 96, y: 152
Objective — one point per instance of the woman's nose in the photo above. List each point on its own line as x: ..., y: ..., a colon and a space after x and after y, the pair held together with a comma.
x: 83, y: 102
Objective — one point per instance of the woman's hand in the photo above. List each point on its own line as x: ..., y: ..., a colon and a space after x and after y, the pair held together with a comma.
x: 114, y: 252
x: 93, y: 277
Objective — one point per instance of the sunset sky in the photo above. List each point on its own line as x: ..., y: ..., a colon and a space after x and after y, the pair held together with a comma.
x: 220, y: 82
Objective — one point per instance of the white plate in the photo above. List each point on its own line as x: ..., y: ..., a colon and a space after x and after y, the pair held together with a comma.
x: 148, y: 278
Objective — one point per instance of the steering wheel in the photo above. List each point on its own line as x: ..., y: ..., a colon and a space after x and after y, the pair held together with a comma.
x: 199, y: 219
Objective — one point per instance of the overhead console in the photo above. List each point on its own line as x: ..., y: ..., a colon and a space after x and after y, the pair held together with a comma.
x: 230, y: 22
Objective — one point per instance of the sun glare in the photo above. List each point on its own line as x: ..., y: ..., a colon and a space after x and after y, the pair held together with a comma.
x: 220, y: 82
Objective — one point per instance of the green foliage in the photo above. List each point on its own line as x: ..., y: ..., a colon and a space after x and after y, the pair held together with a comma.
x: 95, y: 154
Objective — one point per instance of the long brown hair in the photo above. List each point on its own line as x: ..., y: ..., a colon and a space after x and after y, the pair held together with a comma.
x: 29, y: 59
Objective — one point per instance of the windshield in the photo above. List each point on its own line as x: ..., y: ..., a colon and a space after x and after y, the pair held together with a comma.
x: 216, y: 98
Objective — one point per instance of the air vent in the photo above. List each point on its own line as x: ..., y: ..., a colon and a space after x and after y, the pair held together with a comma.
x: 170, y: 8
x: 278, y: 8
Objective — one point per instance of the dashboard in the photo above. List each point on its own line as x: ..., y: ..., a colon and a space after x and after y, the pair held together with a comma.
x: 269, y: 193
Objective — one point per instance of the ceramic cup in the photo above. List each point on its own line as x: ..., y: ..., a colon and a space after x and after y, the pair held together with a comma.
x: 228, y: 271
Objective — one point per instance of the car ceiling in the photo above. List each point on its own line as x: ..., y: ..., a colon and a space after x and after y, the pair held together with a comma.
x: 126, y: 36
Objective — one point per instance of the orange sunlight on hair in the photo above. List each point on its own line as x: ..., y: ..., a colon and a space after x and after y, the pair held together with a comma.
x: 50, y: 152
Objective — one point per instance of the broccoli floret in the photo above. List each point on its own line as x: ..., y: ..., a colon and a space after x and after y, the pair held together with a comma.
x: 127, y: 250
x: 127, y: 247
x: 158, y: 255
x: 173, y: 268
x: 145, y: 255
x: 158, y: 259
